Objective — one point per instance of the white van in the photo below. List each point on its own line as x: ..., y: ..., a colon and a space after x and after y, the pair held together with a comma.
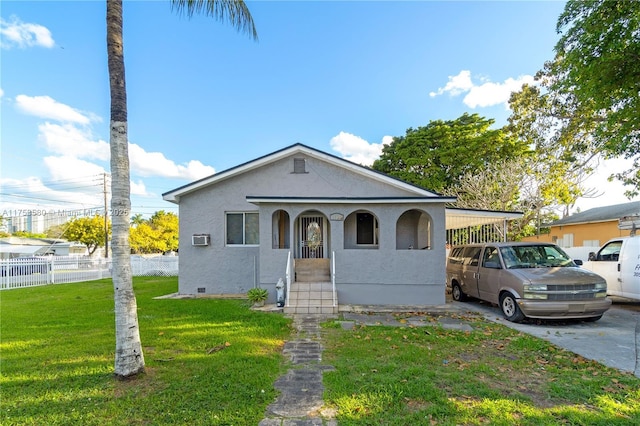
x: 618, y: 261
x: 535, y: 280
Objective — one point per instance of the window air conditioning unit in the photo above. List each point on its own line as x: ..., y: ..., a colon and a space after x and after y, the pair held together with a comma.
x: 200, y: 240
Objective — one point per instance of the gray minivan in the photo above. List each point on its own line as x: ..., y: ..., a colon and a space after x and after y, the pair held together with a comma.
x: 535, y: 280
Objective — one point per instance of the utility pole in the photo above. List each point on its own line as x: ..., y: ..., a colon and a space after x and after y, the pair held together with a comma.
x: 106, y: 222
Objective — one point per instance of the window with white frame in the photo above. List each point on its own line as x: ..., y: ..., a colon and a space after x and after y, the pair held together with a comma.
x: 243, y: 229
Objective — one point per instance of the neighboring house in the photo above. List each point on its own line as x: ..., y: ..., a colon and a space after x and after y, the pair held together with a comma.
x: 293, y: 213
x: 12, y: 247
x: 590, y: 228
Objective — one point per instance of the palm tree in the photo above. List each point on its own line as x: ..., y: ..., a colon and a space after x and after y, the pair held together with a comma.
x: 137, y: 219
x: 129, y: 359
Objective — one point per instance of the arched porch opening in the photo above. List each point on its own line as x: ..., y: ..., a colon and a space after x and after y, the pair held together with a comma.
x: 361, y: 230
x: 280, y: 226
x: 414, y: 230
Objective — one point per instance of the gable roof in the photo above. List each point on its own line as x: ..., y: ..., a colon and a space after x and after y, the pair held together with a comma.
x: 298, y: 148
x: 601, y: 214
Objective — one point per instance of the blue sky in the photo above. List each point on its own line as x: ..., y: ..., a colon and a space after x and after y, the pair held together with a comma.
x: 342, y: 77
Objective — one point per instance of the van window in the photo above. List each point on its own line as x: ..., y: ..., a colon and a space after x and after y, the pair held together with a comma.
x: 491, y: 258
x: 534, y: 256
x: 471, y: 256
x: 611, y: 251
x: 455, y: 258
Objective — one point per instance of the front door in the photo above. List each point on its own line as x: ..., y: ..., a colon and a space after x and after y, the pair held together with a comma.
x: 312, y: 237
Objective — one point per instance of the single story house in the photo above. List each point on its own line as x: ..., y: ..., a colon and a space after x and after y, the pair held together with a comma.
x: 12, y: 247
x: 332, y: 230
x: 591, y: 228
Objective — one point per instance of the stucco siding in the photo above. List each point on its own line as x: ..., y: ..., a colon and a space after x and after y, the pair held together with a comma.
x: 582, y: 232
x: 216, y: 268
x: 377, y: 275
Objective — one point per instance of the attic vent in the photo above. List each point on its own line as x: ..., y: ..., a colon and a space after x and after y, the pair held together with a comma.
x: 299, y: 165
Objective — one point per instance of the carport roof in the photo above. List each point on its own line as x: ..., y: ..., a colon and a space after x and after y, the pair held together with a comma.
x: 457, y: 218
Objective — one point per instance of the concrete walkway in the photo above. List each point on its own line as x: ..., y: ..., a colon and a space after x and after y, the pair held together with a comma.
x: 300, y: 401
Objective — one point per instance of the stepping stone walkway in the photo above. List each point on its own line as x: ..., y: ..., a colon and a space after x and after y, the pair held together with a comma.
x: 301, y: 389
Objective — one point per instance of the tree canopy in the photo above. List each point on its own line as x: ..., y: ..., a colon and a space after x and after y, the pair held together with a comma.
x: 591, y: 88
x: 88, y: 231
x: 437, y: 155
x: 158, y: 234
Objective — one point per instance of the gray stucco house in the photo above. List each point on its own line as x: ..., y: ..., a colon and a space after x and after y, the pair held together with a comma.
x: 332, y: 230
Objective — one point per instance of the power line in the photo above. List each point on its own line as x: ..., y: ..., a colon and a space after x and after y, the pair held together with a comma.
x: 39, y: 198
x: 79, y: 179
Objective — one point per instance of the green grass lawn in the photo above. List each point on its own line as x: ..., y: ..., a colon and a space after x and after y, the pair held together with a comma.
x: 490, y: 376
x: 209, y: 362
x: 214, y: 362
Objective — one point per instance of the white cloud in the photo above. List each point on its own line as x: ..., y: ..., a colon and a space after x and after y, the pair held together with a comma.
x: 456, y: 85
x: 138, y: 188
x: 32, y: 193
x: 78, y: 160
x: 68, y: 139
x: 485, y: 94
x: 356, y: 149
x: 489, y: 94
x: 48, y: 108
x: 21, y: 34
x: 156, y: 164
x: 69, y: 167
x: 1, y: 92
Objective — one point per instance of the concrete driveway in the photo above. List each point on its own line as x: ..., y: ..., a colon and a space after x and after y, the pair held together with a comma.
x: 614, y: 340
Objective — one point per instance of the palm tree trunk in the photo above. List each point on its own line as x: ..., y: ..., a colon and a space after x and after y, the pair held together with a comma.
x: 129, y: 359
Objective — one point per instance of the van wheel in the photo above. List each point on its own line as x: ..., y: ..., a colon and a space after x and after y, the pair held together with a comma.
x: 457, y: 294
x: 510, y: 308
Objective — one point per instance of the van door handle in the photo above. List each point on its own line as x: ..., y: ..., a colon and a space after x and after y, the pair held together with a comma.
x: 618, y: 267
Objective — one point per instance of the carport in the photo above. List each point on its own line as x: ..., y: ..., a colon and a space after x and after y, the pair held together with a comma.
x: 475, y: 226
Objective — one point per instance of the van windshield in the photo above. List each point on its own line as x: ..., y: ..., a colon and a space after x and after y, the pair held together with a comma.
x: 534, y: 256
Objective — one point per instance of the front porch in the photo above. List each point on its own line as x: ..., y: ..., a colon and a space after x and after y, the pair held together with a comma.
x: 311, y: 290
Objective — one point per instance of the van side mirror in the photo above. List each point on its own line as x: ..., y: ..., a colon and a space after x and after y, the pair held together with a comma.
x: 592, y: 256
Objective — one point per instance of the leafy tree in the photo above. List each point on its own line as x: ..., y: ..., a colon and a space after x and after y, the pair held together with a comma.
x: 563, y: 160
x: 159, y: 234
x: 129, y: 359
x: 436, y: 156
x: 27, y: 234
x: 591, y: 89
x: 86, y: 230
x: 57, y: 231
x: 506, y: 186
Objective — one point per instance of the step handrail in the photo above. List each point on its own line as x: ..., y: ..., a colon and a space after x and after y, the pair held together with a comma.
x: 288, y: 277
x: 333, y: 277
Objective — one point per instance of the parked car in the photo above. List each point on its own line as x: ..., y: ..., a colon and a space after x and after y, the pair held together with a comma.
x: 24, y: 266
x: 527, y: 280
x: 618, y: 261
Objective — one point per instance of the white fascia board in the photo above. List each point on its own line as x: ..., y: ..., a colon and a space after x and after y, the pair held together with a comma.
x: 350, y: 200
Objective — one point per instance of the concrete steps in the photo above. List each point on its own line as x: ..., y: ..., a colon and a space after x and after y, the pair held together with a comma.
x: 311, y: 292
x: 311, y: 298
x: 312, y: 270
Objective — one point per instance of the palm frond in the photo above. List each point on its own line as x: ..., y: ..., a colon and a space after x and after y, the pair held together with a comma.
x: 236, y: 12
